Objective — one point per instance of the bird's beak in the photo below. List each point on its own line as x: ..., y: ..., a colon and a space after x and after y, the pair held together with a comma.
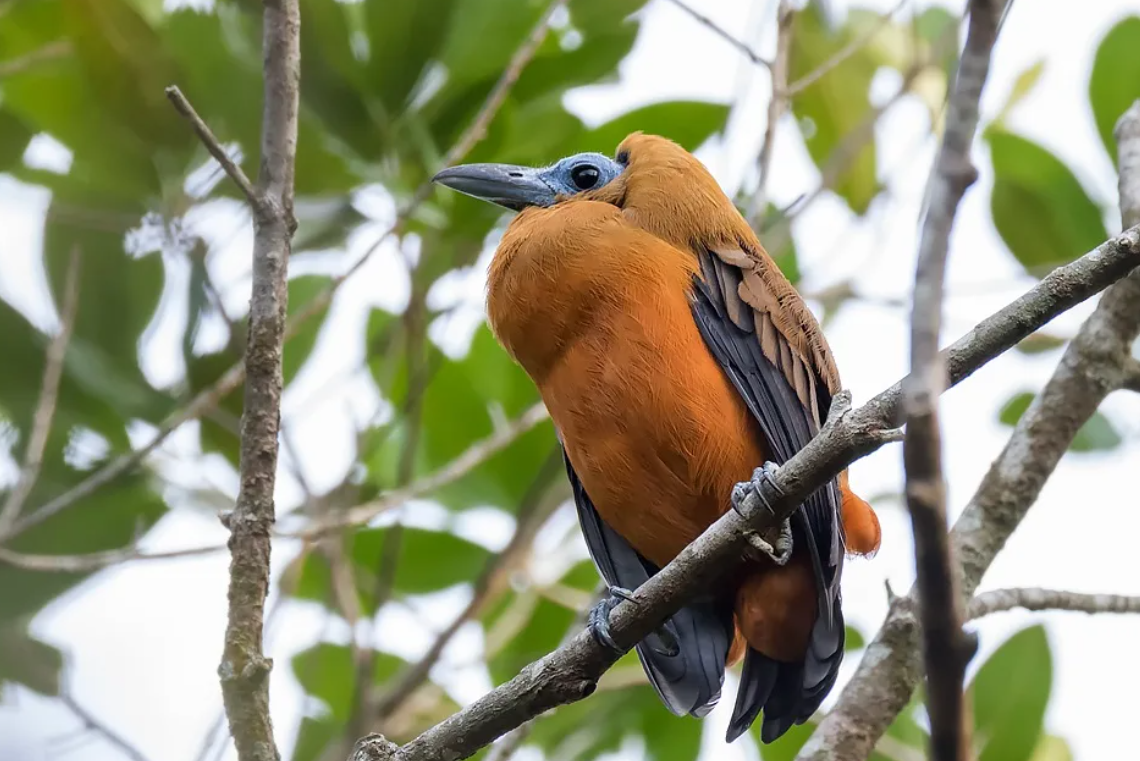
x: 514, y: 187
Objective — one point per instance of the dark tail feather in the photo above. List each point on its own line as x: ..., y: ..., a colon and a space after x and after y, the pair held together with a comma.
x: 788, y: 693
x: 688, y: 681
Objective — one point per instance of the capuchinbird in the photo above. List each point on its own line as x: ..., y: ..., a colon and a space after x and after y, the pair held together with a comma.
x: 674, y: 358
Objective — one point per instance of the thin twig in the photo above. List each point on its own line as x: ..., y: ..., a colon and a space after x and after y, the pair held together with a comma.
x: 212, y: 396
x: 998, y: 600
x: 96, y: 560
x: 473, y: 457
x: 841, y: 55
x: 49, y: 52
x: 49, y: 394
x: 1131, y: 380
x: 571, y: 672
x: 244, y: 670
x: 748, y: 52
x: 202, y: 130
x: 776, y: 104
x: 946, y: 646
x: 95, y: 725
x: 1088, y: 371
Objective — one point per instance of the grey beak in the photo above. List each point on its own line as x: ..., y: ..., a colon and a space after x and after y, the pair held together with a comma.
x: 514, y: 187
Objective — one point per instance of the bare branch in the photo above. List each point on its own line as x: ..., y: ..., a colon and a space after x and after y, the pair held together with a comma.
x: 49, y: 52
x: 776, y: 104
x: 96, y: 560
x: 49, y: 393
x: 1131, y: 381
x: 95, y: 725
x: 841, y: 55
x: 998, y: 600
x: 202, y: 130
x: 946, y: 647
x: 748, y: 52
x: 1090, y: 368
x: 244, y: 670
x: 571, y: 672
x: 473, y: 457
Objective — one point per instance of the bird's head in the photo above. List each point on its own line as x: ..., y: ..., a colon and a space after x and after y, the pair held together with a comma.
x: 656, y: 183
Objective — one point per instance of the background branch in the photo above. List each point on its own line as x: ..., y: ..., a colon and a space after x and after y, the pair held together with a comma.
x: 1090, y: 368
x: 97, y: 726
x: 49, y: 393
x: 998, y: 600
x: 946, y: 646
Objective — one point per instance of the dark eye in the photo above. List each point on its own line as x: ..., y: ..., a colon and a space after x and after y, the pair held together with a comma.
x: 585, y: 176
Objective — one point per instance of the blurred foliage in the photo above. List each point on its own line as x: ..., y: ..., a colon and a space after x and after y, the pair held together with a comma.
x: 388, y: 87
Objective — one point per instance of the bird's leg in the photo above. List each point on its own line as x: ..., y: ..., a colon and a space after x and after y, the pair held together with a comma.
x: 780, y: 550
x: 599, y: 623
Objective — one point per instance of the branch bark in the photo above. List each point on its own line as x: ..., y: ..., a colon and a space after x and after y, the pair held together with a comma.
x: 998, y: 600
x: 49, y: 394
x: 1090, y: 368
x: 571, y: 672
x: 244, y: 670
x: 947, y: 648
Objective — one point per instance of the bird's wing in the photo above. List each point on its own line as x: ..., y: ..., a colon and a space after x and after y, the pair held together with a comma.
x: 772, y: 349
x: 689, y: 681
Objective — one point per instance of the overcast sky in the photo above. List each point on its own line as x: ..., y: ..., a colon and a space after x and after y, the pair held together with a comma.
x: 144, y: 640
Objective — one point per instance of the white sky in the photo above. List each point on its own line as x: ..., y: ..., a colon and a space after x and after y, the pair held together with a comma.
x: 144, y: 640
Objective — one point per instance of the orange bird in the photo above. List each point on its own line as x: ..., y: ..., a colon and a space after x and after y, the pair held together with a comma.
x: 674, y: 358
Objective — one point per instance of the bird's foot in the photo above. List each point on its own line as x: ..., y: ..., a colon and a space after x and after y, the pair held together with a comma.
x: 599, y: 624
x: 747, y: 491
x: 779, y: 552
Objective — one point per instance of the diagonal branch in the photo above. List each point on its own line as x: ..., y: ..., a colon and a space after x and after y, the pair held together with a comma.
x: 49, y: 394
x: 97, y: 726
x: 721, y: 32
x: 1090, y: 368
x: 946, y: 647
x: 202, y: 130
x: 1131, y: 380
x: 571, y: 672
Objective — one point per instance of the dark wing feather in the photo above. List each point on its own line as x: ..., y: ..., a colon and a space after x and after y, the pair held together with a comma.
x: 689, y: 681
x: 788, y: 390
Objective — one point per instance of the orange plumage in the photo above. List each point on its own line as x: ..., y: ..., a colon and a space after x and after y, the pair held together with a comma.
x: 593, y: 296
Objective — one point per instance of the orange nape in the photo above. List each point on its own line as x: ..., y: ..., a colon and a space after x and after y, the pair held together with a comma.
x: 674, y: 358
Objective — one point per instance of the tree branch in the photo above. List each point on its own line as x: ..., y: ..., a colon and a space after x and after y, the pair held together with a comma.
x: 1131, y: 381
x: 704, y: 20
x: 998, y: 600
x: 1090, y: 368
x: 571, y: 672
x: 946, y: 647
x: 49, y: 394
x: 776, y: 104
x: 244, y: 670
x: 202, y: 130
x: 95, y: 725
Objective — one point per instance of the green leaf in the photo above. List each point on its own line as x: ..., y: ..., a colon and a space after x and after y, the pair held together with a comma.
x: 428, y: 561
x: 326, y: 671
x: 688, y: 123
x: 403, y: 38
x: 1039, y: 343
x: 854, y: 640
x: 1098, y: 434
x: 14, y: 137
x: 1022, y: 86
x: 837, y: 104
x: 1115, y: 80
x: 1051, y: 748
x: 1010, y: 693
x: 1039, y: 208
x: 28, y: 661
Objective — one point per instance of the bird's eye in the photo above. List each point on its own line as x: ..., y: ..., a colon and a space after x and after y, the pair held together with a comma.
x: 585, y: 176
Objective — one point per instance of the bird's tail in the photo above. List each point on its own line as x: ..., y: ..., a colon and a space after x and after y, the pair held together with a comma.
x: 793, y: 655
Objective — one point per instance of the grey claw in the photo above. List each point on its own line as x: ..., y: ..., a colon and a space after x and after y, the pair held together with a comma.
x: 760, y: 476
x: 781, y: 552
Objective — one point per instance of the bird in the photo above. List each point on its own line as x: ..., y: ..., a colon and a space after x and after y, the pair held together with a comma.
x: 679, y: 367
